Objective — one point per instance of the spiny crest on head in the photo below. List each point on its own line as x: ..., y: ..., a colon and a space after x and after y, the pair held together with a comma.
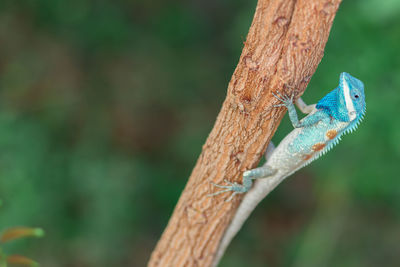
x: 347, y: 101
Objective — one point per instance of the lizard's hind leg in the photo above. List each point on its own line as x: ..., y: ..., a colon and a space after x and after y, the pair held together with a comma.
x: 257, y: 173
x: 261, y: 172
x: 248, y: 176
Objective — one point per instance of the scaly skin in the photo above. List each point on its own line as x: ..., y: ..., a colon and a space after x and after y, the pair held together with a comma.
x: 339, y: 112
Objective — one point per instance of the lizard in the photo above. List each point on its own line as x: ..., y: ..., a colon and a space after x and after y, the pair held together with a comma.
x: 337, y: 113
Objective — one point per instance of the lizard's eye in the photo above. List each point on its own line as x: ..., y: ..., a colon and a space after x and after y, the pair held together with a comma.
x: 355, y: 94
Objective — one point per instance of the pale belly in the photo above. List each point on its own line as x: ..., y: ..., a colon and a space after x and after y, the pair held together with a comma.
x: 304, y: 145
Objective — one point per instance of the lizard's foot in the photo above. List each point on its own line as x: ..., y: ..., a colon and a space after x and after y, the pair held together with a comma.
x: 286, y: 100
x: 235, y: 188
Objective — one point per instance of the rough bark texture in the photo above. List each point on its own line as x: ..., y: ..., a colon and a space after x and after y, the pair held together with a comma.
x: 284, y: 45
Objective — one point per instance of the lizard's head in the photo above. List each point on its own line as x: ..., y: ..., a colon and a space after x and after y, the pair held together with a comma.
x: 347, y: 101
x: 351, y: 96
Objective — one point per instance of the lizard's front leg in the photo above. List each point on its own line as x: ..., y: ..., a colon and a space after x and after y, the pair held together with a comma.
x: 306, y: 109
x: 288, y: 103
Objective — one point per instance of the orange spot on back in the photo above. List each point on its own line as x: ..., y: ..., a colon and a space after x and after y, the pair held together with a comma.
x: 307, y: 156
x: 318, y: 146
x: 331, y: 134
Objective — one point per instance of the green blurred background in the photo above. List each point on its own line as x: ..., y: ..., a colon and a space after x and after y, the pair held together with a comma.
x: 104, y: 107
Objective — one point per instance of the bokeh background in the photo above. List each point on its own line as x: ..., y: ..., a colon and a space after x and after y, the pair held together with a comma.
x: 104, y: 107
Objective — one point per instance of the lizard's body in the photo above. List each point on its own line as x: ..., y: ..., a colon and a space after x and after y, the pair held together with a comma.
x: 313, y: 136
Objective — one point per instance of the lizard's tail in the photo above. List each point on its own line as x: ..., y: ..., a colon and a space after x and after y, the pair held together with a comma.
x: 248, y: 204
x: 259, y: 191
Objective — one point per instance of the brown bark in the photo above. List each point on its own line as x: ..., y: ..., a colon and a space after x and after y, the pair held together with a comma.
x: 284, y: 45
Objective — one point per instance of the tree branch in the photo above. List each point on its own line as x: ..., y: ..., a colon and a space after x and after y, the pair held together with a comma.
x: 284, y: 45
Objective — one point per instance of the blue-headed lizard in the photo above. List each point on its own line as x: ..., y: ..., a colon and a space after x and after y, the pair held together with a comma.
x: 339, y: 112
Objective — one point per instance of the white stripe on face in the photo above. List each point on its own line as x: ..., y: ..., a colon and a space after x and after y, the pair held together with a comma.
x: 351, y: 112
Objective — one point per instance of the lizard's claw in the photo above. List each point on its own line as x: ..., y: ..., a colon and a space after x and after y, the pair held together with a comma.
x: 231, y: 184
x: 286, y: 100
x: 234, y: 187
